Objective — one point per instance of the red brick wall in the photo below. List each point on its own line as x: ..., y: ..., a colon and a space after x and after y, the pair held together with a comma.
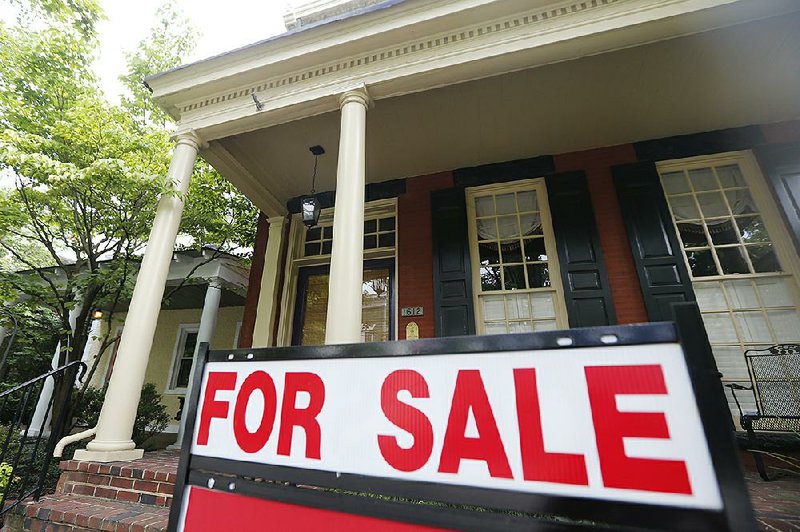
x: 415, y: 252
x: 254, y: 282
x: 625, y: 291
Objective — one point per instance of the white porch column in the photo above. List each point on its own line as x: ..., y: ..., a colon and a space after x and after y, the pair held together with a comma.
x: 268, y: 297
x: 343, y: 324
x: 40, y: 422
x: 93, y: 343
x: 208, y: 323
x: 115, y: 426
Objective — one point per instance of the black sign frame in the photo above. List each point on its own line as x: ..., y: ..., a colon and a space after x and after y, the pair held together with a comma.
x: 232, y: 476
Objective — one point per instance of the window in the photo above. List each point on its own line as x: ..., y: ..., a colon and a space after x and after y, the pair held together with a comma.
x: 184, y: 354
x: 744, y: 284
x: 113, y: 357
x: 513, y: 257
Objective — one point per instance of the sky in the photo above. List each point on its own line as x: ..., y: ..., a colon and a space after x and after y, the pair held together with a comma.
x: 223, y: 26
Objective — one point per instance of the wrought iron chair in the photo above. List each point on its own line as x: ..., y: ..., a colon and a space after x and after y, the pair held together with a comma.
x: 775, y: 382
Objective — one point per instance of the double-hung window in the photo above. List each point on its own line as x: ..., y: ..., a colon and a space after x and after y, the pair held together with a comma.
x: 739, y: 256
x: 514, y: 264
x: 182, y: 358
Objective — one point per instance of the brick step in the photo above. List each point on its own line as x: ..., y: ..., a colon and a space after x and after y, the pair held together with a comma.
x: 70, y: 512
x: 150, y: 480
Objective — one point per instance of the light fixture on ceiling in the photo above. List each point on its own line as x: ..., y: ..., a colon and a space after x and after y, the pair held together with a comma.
x: 309, y: 205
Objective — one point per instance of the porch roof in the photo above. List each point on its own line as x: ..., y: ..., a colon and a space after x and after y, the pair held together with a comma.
x: 456, y: 85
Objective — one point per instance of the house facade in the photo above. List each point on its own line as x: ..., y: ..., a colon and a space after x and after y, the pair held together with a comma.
x: 494, y: 167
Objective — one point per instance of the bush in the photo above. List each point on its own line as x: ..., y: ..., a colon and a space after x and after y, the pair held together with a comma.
x: 151, y: 417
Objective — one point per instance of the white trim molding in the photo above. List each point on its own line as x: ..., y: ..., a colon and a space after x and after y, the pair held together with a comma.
x: 302, y: 73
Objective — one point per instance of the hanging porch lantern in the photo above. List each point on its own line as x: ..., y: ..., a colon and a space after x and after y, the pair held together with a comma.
x: 309, y: 205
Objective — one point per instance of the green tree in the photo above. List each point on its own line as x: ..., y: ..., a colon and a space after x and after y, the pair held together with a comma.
x: 86, y: 173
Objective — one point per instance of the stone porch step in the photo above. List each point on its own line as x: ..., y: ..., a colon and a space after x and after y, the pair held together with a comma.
x: 150, y: 480
x: 69, y: 512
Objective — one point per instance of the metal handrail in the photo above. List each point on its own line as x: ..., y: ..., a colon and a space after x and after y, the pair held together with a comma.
x: 26, y: 451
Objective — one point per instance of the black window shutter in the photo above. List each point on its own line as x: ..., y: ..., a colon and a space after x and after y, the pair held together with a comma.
x: 452, y: 282
x: 583, y: 269
x: 781, y: 164
x: 656, y: 250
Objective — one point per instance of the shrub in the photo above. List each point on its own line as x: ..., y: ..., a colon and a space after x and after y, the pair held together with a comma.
x: 151, y: 417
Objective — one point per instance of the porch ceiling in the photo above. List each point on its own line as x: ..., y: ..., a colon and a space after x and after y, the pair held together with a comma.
x: 730, y: 77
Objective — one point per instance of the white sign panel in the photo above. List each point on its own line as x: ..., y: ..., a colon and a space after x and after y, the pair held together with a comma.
x: 617, y: 423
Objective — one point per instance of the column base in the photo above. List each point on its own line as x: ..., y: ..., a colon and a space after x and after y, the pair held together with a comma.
x: 108, y: 456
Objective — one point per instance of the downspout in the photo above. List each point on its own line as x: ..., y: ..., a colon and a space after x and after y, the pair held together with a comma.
x: 72, y: 438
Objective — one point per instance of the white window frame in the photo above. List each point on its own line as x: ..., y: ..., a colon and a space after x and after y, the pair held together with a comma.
x: 539, y: 186
x: 180, y: 342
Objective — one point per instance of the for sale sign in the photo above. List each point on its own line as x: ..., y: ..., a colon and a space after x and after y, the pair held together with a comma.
x: 616, y: 423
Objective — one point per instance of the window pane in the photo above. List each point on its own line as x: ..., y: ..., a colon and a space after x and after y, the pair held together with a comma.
x: 519, y: 307
x: 484, y: 206
x: 720, y: 328
x: 505, y: 203
x: 703, y: 179
x: 327, y: 232
x: 692, y: 235
x: 311, y: 249
x: 490, y: 278
x: 786, y: 324
x: 752, y: 229
x: 753, y: 327
x: 493, y: 308
x: 184, y: 371
x: 709, y: 296
x: 538, y: 276
x: 732, y: 260
x: 723, y: 232
x: 375, y: 305
x: 741, y: 294
x: 190, y: 344
x: 712, y: 205
x: 741, y: 202
x: 527, y: 201
x: 314, y: 233
x: 675, y: 183
x: 508, y: 227
x: 763, y: 258
x: 386, y: 240
x: 370, y: 241
x: 774, y: 292
x: 511, y: 251
x: 534, y: 249
x: 530, y: 224
x: 387, y: 224
x: 701, y: 262
x: 489, y: 253
x: 514, y: 277
x: 684, y: 208
x: 543, y: 306
x: 730, y: 176
x: 326, y: 247
x: 370, y: 226
x: 315, y: 310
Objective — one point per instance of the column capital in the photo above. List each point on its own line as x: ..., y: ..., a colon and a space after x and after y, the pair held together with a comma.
x: 189, y: 138
x: 357, y: 94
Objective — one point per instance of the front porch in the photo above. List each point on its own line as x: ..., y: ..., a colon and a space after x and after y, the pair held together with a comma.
x: 135, y: 497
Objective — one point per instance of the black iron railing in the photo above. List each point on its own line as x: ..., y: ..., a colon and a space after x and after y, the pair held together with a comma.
x: 26, y: 450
